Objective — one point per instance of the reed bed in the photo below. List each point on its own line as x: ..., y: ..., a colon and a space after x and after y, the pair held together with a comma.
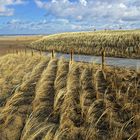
x: 61, y: 84
x: 115, y: 43
x: 69, y: 117
x: 42, y: 104
x: 11, y: 65
x: 61, y: 100
x: 19, y: 105
x: 89, y: 91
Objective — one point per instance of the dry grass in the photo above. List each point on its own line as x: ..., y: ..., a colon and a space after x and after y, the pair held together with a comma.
x: 115, y: 43
x: 43, y: 98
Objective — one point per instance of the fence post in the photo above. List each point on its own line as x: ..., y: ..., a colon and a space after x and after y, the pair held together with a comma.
x: 71, y: 55
x: 8, y: 51
x: 103, y: 59
x: 32, y: 52
x: 40, y: 52
x: 52, y: 54
x: 25, y: 51
x: 16, y: 51
x: 13, y: 51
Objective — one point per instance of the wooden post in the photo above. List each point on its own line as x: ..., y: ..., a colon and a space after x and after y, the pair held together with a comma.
x: 103, y: 59
x: 97, y: 95
x: 13, y: 51
x: 25, y: 51
x: 22, y: 51
x: 32, y: 52
x: 40, y: 52
x: 16, y: 52
x: 52, y: 54
x: 71, y: 55
x: 8, y: 51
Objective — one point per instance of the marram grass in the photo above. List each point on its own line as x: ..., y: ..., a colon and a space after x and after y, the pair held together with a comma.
x: 43, y: 98
x: 115, y: 43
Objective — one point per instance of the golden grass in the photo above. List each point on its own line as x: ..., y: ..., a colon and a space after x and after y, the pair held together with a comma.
x: 43, y: 98
x: 115, y: 43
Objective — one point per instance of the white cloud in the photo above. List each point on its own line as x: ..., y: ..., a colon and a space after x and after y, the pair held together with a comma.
x: 4, y: 6
x: 45, y: 26
x: 96, y: 12
x: 77, y: 27
x: 14, y: 21
x: 6, y: 11
x: 83, y: 2
x: 39, y: 3
x: 76, y: 15
x: 122, y: 5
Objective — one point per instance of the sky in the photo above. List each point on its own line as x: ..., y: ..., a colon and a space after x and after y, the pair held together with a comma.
x: 55, y: 16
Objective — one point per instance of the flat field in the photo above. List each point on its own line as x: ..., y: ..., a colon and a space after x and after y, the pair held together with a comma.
x: 10, y: 43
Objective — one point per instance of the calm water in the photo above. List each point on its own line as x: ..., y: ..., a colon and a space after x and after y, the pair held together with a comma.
x: 119, y: 62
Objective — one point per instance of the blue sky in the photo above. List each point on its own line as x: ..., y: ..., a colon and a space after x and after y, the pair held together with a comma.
x: 54, y: 16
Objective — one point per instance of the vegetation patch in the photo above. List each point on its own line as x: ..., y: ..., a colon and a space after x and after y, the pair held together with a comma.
x: 115, y: 43
x: 43, y: 98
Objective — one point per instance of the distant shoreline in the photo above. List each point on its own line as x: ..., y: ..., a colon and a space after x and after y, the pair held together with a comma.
x: 122, y: 30
x: 12, y: 35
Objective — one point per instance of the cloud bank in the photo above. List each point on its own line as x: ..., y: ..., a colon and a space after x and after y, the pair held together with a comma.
x: 5, y: 9
x: 107, y: 12
x: 72, y: 15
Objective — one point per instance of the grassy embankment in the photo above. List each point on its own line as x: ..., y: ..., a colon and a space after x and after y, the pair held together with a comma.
x: 116, y: 43
x: 44, y: 98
